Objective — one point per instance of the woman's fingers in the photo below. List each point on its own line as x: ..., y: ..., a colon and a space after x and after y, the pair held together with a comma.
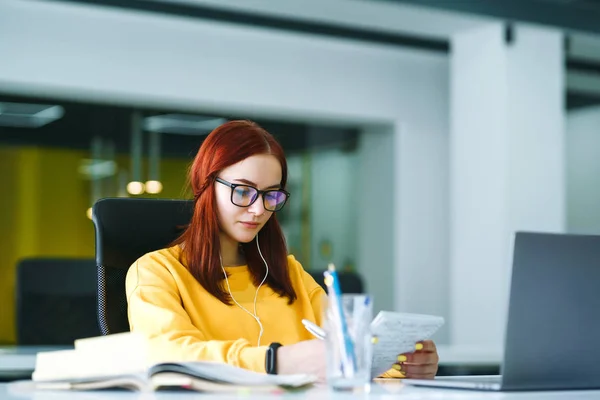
x: 426, y: 346
x: 417, y: 371
x: 419, y: 358
x: 421, y: 364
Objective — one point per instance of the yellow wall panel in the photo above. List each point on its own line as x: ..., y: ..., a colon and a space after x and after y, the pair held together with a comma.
x: 43, y: 203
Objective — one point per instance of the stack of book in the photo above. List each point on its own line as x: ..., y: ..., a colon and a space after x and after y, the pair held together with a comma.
x: 121, y: 361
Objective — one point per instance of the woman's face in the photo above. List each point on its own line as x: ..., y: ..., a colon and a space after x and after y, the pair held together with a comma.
x: 242, y: 224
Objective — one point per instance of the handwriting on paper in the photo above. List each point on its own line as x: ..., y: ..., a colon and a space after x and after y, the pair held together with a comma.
x: 397, y: 333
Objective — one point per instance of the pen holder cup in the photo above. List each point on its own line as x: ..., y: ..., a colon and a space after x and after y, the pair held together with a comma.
x: 349, y: 348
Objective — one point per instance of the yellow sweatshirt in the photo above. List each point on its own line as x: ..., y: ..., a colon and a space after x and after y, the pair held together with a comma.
x: 186, y: 323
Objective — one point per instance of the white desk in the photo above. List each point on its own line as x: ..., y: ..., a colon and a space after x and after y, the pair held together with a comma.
x: 387, y: 391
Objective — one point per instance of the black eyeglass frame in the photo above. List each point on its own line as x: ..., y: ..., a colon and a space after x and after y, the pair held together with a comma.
x: 260, y: 193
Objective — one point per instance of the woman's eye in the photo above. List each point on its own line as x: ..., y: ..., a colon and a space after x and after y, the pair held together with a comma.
x: 244, y: 192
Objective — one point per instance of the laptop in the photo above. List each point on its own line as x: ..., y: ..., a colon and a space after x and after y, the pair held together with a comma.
x: 552, y: 337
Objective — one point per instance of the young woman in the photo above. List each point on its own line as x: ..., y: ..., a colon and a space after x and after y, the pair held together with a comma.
x: 227, y: 290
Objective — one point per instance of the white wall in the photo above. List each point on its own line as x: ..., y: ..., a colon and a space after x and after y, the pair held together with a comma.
x: 583, y: 170
x: 537, y: 121
x: 125, y: 56
x: 422, y: 221
x: 121, y: 57
x: 507, y: 161
x: 406, y: 221
x: 478, y: 183
x: 376, y: 215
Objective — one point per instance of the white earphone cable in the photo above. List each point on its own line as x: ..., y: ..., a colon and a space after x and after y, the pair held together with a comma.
x: 255, y: 316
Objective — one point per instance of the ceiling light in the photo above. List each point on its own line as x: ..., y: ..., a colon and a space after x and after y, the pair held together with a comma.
x: 182, y: 124
x: 135, y: 187
x: 26, y: 115
x: 153, y: 187
x: 97, y: 169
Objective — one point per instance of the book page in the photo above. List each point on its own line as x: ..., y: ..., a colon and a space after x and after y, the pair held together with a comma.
x: 71, y: 365
x: 397, y: 333
x: 168, y: 380
x: 225, y: 373
x: 117, y: 343
x: 95, y: 357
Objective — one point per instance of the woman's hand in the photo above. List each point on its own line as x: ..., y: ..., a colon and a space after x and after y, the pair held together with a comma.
x: 306, y: 357
x: 422, y: 364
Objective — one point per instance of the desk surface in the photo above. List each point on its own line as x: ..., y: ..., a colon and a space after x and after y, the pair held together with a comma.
x: 389, y: 390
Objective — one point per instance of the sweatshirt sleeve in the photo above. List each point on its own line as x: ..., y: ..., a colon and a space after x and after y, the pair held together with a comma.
x: 156, y: 311
x: 318, y: 300
x: 317, y: 296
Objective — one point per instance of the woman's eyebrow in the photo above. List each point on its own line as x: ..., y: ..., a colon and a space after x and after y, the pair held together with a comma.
x: 247, y: 182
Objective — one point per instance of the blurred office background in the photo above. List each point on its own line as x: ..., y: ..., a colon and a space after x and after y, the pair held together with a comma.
x: 420, y: 134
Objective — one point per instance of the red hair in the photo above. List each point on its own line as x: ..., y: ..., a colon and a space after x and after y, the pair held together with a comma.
x: 229, y: 144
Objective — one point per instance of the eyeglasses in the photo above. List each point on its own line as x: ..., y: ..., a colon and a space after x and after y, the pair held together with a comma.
x: 245, y: 196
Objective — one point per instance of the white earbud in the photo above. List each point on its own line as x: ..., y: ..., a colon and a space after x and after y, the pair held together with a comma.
x: 253, y: 315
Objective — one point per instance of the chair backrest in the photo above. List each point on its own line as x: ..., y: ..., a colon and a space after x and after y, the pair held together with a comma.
x: 55, y: 300
x: 350, y: 282
x: 126, y: 229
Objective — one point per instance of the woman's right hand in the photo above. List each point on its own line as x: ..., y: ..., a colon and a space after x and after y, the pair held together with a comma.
x: 306, y: 357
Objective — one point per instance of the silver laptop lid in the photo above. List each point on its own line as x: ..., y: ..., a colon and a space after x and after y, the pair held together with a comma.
x: 554, y: 313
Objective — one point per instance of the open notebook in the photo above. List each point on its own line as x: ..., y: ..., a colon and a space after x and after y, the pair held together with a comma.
x: 121, y: 361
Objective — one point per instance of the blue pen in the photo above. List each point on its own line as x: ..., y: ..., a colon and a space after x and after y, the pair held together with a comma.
x: 336, y: 326
x: 335, y: 294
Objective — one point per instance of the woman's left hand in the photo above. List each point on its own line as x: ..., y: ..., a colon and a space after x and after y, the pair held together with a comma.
x: 422, y: 364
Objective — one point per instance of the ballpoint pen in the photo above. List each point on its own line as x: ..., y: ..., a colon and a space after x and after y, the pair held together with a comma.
x: 342, y: 334
x: 314, y: 329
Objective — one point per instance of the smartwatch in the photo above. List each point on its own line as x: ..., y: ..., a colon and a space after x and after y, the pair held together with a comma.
x: 271, y: 358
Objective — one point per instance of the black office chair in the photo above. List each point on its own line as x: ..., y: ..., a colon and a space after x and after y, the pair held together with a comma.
x: 55, y: 300
x: 126, y: 229
x: 350, y: 282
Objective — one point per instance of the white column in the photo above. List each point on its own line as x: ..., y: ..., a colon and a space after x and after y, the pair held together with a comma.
x: 583, y: 170
x: 421, y: 220
x: 375, y: 178
x: 506, y: 165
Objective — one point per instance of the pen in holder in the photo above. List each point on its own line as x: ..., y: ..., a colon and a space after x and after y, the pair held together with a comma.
x: 348, y: 336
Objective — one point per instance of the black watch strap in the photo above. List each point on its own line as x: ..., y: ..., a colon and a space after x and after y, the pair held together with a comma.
x: 271, y: 358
